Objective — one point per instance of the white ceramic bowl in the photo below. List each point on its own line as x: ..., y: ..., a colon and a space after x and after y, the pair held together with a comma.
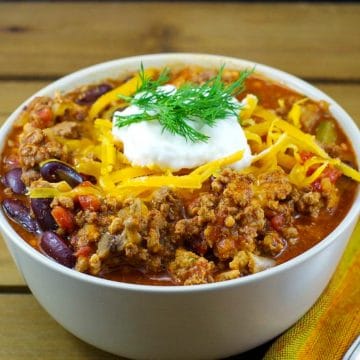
x: 188, y: 322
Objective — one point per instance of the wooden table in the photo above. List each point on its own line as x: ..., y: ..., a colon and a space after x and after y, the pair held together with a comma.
x: 39, y: 42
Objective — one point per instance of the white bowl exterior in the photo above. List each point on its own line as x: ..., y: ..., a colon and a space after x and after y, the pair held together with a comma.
x: 199, y: 322
x: 184, y: 325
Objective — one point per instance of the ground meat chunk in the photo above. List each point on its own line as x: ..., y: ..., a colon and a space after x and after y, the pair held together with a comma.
x: 330, y: 193
x: 273, y: 244
x: 251, y: 216
x: 225, y: 247
x: 66, y: 129
x: 234, y: 218
x: 240, y: 262
x: 274, y: 185
x: 94, y: 264
x: 66, y: 110
x: 36, y: 147
x: 310, y: 115
x: 89, y: 233
x: 86, y: 216
x: 218, y: 235
x: 168, y: 203
x: 188, y: 227
x: 39, y: 112
x: 30, y: 175
x: 227, y: 275
x: 64, y: 201
x: 158, y: 226
x: 307, y: 202
x: 239, y: 190
x: 191, y: 269
x: 334, y: 150
x: 137, y: 234
x: 291, y: 234
x: 111, y: 204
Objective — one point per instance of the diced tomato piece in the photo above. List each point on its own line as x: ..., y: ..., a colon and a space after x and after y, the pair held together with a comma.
x: 89, y: 202
x: 332, y: 173
x: 305, y: 155
x: 277, y: 222
x: 316, y: 185
x: 46, y: 115
x: 84, y: 251
x: 64, y: 218
x: 312, y: 169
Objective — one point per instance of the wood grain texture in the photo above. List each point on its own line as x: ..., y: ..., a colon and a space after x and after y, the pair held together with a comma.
x: 9, y: 274
x: 13, y: 93
x: 28, y: 332
x: 346, y: 95
x: 51, y: 39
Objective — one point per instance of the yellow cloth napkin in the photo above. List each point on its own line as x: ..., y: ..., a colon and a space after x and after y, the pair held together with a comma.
x: 328, y: 329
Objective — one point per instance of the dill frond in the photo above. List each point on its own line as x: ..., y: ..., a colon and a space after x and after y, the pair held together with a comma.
x: 205, y: 104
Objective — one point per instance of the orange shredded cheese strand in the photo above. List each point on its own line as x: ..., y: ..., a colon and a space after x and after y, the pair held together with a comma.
x: 272, y: 151
x: 294, y: 114
x: 265, y: 114
x: 260, y: 129
x: 192, y: 181
x: 250, y: 136
x: 108, y: 151
x: 212, y: 166
x: 89, y: 167
x: 348, y: 171
x: 300, y: 138
x: 286, y: 161
x: 63, y: 189
x: 129, y: 172
x: 125, y: 89
x: 185, y: 182
x: 250, y: 105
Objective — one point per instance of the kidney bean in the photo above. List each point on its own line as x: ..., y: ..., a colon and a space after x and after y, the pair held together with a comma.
x: 55, y: 171
x: 12, y: 179
x: 42, y: 211
x: 54, y: 246
x: 18, y: 212
x: 93, y: 93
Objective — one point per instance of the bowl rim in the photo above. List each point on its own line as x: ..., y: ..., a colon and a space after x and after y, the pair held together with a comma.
x: 277, y: 75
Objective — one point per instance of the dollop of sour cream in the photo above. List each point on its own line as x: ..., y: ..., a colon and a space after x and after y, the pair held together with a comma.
x: 147, y: 144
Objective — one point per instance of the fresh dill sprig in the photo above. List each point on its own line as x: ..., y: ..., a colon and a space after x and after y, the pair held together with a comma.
x: 205, y: 104
x: 148, y: 84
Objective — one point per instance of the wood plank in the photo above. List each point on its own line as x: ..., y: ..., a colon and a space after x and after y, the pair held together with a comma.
x: 51, y: 39
x: 28, y: 332
x: 13, y: 93
x: 346, y: 95
x: 9, y: 274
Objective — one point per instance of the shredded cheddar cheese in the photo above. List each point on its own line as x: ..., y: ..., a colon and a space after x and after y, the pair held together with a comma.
x: 294, y: 114
x: 276, y: 142
x: 284, y: 140
x: 250, y: 105
x: 126, y: 89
